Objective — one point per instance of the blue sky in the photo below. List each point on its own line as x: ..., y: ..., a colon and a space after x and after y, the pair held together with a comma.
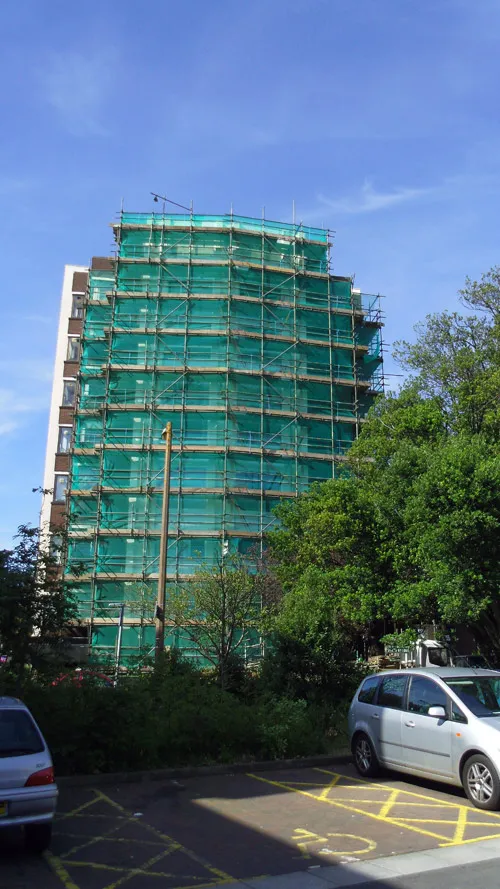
x: 379, y: 118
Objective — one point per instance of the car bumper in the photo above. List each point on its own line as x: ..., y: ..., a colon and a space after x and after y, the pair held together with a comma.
x: 28, y: 805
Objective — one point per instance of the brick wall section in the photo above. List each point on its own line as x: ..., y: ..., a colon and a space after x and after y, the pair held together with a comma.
x: 62, y: 463
x: 66, y: 415
x: 58, y: 515
x: 71, y: 368
x: 103, y: 263
x: 75, y: 325
x: 80, y: 280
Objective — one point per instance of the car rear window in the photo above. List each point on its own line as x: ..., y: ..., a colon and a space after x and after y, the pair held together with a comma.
x: 18, y: 734
x: 368, y: 689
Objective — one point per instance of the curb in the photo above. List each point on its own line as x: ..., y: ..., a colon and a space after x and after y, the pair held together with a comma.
x: 341, y: 756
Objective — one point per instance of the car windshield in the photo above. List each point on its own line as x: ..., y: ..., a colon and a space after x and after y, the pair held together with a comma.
x: 18, y: 734
x: 481, y: 694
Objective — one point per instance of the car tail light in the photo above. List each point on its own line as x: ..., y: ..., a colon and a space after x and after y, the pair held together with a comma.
x: 38, y: 779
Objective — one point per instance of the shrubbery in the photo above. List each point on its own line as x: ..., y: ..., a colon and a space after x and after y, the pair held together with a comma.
x: 173, y: 717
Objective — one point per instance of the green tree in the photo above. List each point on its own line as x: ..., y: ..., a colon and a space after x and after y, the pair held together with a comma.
x: 36, y: 608
x: 412, y: 536
x: 218, y: 613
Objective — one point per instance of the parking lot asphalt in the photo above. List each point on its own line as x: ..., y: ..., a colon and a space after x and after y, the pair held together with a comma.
x: 219, y: 829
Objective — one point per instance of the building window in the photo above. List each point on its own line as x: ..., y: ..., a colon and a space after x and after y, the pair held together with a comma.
x: 69, y: 393
x: 73, y: 353
x: 60, y: 488
x: 56, y: 543
x: 77, y: 305
x: 64, y: 440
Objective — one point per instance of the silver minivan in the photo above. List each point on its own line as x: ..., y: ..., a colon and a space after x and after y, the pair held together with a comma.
x: 441, y: 723
x: 28, y: 793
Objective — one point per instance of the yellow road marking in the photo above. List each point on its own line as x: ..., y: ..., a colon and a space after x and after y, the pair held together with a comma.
x: 324, y: 793
x: 79, y: 809
x: 165, y: 843
x: 386, y: 808
x: 169, y: 840
x: 461, y: 824
x: 60, y: 871
x: 432, y: 799
x: 350, y: 808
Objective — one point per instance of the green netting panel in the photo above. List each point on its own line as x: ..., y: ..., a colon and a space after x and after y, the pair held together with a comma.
x: 92, y: 392
x: 83, y: 513
x: 279, y: 395
x: 198, y: 512
x: 125, y: 469
x: 310, y: 471
x: 206, y: 314
x: 89, y: 432
x: 189, y: 221
x: 204, y: 390
x: 244, y: 471
x: 245, y: 354
x: 244, y: 513
x: 340, y: 293
x: 202, y: 470
x: 314, y: 436
x: 246, y: 282
x: 85, y: 471
x: 210, y: 245
x: 278, y: 433
x: 204, y: 429
x: 342, y: 366
x: 138, y: 428
x: 94, y: 355
x: 279, y: 286
x: 81, y: 556
x: 97, y: 318
x: 313, y: 325
x: 209, y: 279
x: 206, y: 351
x: 101, y: 282
x: 278, y: 474
x: 244, y: 430
x: 344, y: 434
x: 82, y: 596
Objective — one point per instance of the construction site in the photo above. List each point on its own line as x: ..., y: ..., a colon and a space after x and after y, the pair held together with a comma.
x: 236, y: 331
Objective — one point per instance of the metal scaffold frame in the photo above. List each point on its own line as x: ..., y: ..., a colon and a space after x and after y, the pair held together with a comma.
x: 236, y: 331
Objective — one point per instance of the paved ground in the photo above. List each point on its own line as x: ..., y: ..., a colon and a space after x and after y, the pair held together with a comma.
x: 226, y: 828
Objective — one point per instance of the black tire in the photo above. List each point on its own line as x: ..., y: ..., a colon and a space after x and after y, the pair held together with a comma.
x: 37, y: 837
x: 481, y: 782
x: 365, y: 758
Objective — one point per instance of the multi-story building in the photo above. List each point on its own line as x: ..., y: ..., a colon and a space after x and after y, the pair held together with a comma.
x: 235, y: 330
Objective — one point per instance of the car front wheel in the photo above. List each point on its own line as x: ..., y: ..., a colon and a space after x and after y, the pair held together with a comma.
x: 481, y: 782
x: 365, y: 758
x: 37, y: 837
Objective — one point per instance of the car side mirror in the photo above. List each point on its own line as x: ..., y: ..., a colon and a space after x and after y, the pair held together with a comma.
x: 437, y: 712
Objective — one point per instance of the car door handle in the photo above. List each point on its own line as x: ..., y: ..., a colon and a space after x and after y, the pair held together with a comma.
x: 375, y: 716
x: 410, y: 723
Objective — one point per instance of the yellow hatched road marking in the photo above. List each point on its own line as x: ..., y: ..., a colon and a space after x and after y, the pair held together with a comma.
x: 167, y: 846
x: 349, y: 808
x: 326, y: 790
x: 386, y: 808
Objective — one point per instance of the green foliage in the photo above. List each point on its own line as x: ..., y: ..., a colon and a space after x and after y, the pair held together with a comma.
x: 173, y: 716
x: 35, y: 605
x: 412, y: 536
x: 405, y: 639
x: 218, y: 611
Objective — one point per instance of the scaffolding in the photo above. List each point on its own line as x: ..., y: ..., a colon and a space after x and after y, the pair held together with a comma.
x: 235, y: 330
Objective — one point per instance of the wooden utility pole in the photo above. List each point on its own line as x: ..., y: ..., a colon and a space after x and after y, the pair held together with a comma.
x: 162, y: 567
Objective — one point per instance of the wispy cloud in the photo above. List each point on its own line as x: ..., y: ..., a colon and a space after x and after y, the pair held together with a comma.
x: 15, y: 408
x: 77, y: 85
x: 369, y: 200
